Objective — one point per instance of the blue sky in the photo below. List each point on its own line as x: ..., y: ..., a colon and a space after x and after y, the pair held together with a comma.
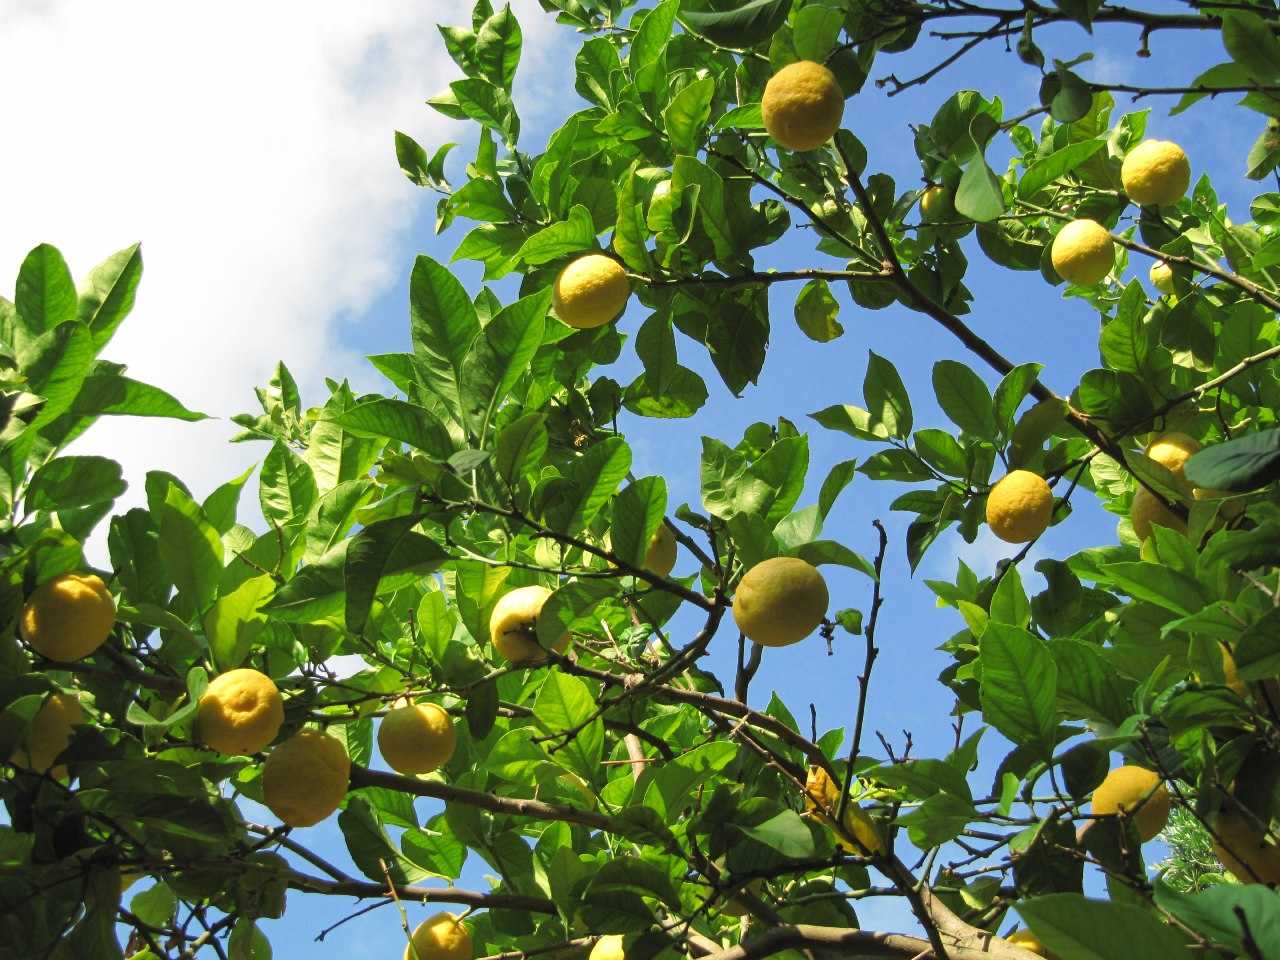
x: 326, y: 326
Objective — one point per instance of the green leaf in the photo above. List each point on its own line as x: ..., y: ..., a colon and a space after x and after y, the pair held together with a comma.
x: 500, y: 355
x: 286, y: 486
x: 369, y: 846
x: 1248, y: 39
x: 595, y: 475
x: 442, y: 324
x: 189, y: 545
x: 685, y: 117
x: 964, y: 398
x: 113, y: 395
x: 1158, y: 584
x: 45, y: 294
x: 154, y: 906
x: 56, y: 364
x: 637, y: 514
x: 521, y: 446
x: 1019, y: 686
x: 745, y: 117
x: 233, y: 622
x: 564, y: 704
x: 1058, y: 164
x: 1073, y: 926
x: 575, y: 235
x: 1212, y: 913
x: 785, y: 833
x: 382, y: 548
x: 1238, y: 465
x: 396, y: 420
x: 497, y: 48
x: 74, y: 482
x: 886, y: 398
x: 979, y: 196
x: 743, y: 26
x: 489, y: 105
x: 816, y: 312
x: 220, y: 507
x: 108, y: 292
x: 815, y: 30
x: 652, y: 35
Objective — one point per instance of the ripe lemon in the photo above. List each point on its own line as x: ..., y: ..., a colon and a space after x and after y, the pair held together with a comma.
x: 49, y: 734
x: 1247, y: 853
x: 1161, y: 276
x: 1019, y: 507
x: 440, y: 937
x: 1138, y: 792
x: 513, y: 626
x: 660, y: 557
x: 1025, y: 939
x: 802, y: 105
x: 417, y: 738
x: 69, y: 617
x: 780, y: 601
x: 1172, y: 451
x: 591, y: 291
x: 240, y: 713
x: 1083, y: 252
x: 305, y: 778
x: 1146, y: 511
x: 1155, y: 172
x: 822, y: 798
x: 608, y: 947
x: 937, y: 203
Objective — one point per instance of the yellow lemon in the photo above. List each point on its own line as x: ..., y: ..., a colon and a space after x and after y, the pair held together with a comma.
x: 802, y: 105
x: 1083, y: 252
x: 780, y: 601
x: 591, y: 291
x: 49, y: 734
x: 1270, y: 686
x: 1147, y: 510
x: 660, y: 557
x: 1161, y: 276
x: 1019, y: 507
x: 822, y: 799
x: 417, y: 738
x: 1172, y: 451
x: 937, y: 203
x: 1137, y: 792
x: 440, y: 937
x: 1027, y: 941
x: 69, y: 617
x: 513, y: 626
x: 305, y: 778
x: 240, y: 713
x: 608, y: 947
x: 1248, y: 854
x: 1155, y: 172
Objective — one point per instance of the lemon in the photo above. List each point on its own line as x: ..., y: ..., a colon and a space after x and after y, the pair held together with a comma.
x: 937, y: 203
x: 822, y: 799
x: 591, y: 291
x: 1019, y: 507
x: 241, y: 712
x: 660, y: 557
x: 1172, y: 451
x: 1137, y: 792
x: 1229, y: 510
x: 440, y: 937
x: 305, y: 778
x: 1027, y: 941
x: 1231, y: 675
x: 513, y: 626
x: 608, y: 947
x: 49, y: 734
x: 1083, y: 252
x: 68, y: 617
x: 417, y: 738
x: 1155, y: 172
x: 1161, y: 276
x: 1146, y: 511
x: 1247, y: 853
x: 780, y: 601
x: 802, y: 105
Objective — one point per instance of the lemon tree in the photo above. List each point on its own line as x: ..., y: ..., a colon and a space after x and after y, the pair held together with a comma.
x: 535, y: 621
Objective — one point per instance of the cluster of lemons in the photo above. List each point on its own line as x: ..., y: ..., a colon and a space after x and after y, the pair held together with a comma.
x: 1154, y: 173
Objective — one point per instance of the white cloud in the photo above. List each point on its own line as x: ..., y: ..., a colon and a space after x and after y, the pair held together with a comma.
x: 251, y: 153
